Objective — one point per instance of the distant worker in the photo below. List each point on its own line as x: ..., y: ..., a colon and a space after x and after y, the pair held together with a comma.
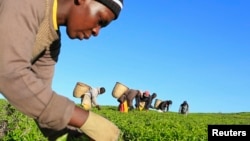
x: 129, y: 95
x: 164, y: 105
x: 152, y: 97
x: 184, y: 108
x: 89, y: 99
x: 144, y: 100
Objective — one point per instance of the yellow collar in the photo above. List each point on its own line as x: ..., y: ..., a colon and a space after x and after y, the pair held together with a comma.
x: 54, y: 15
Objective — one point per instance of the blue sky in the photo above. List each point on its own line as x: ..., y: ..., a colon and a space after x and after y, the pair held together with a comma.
x: 196, y: 50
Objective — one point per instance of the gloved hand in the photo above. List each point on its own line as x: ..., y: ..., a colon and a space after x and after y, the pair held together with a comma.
x: 98, y: 107
x: 96, y: 126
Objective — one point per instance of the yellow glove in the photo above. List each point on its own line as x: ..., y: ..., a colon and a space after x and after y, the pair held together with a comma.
x: 99, y: 128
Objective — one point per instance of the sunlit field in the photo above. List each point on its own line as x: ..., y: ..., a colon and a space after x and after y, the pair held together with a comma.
x: 135, y: 125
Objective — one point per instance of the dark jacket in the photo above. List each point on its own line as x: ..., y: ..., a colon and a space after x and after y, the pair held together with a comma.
x: 147, y: 100
x: 164, y: 105
x: 184, y: 108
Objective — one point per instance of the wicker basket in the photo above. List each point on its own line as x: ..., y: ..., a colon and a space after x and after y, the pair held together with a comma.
x: 80, y: 89
x: 119, y: 89
x: 157, y: 103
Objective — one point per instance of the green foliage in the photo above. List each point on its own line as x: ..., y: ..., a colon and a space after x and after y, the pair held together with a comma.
x: 135, y: 125
x: 169, y: 126
x: 20, y: 127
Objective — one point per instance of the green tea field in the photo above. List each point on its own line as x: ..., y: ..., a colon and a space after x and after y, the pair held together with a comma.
x: 135, y: 125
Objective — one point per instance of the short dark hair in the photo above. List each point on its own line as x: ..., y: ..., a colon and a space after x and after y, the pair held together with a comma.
x: 170, y: 102
x: 102, y: 90
x: 154, y: 95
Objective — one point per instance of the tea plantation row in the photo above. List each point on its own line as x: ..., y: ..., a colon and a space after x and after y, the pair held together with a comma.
x: 135, y: 125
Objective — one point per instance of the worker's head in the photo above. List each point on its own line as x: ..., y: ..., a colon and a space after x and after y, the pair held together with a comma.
x: 146, y: 93
x: 85, y: 18
x: 170, y: 102
x: 102, y: 90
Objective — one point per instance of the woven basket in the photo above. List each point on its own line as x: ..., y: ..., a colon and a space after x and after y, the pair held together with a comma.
x: 80, y: 89
x: 157, y: 103
x: 119, y: 89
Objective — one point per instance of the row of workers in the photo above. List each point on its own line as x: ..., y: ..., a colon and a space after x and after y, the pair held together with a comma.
x: 143, y: 100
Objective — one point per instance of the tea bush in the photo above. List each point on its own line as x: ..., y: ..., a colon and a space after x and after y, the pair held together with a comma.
x: 135, y: 125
